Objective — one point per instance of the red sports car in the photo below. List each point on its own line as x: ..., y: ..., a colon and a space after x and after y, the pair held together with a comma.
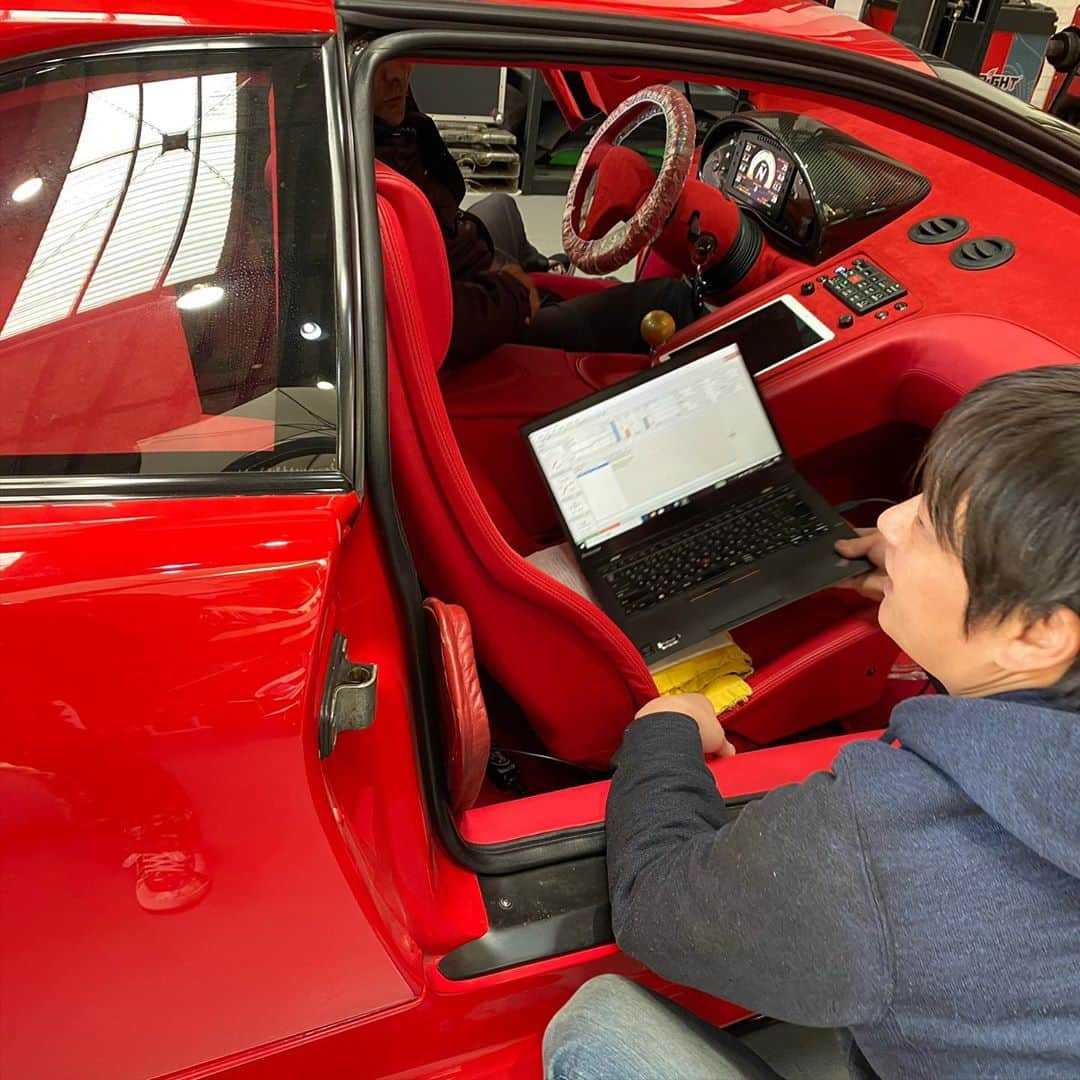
x: 303, y: 759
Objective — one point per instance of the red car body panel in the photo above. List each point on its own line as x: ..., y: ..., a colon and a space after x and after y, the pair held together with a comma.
x: 70, y: 22
x: 49, y: 27
x: 167, y: 657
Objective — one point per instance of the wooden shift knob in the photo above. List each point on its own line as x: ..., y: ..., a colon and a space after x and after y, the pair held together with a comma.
x: 657, y: 328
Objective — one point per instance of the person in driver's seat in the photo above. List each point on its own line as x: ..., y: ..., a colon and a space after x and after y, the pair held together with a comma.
x: 490, y: 257
x: 923, y: 895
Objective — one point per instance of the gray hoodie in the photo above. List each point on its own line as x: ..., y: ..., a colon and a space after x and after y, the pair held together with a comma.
x: 924, y: 898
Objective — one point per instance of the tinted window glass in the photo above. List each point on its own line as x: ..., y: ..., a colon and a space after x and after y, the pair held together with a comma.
x: 167, y: 266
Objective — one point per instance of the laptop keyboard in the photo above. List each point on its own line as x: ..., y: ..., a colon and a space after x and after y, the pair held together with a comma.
x: 774, y: 519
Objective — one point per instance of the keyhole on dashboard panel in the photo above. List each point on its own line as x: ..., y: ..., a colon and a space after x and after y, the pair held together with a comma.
x: 702, y: 245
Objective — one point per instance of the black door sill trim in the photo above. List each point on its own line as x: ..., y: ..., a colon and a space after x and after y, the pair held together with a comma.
x: 541, y: 914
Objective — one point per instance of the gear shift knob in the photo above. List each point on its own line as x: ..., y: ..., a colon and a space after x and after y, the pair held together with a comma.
x: 657, y: 328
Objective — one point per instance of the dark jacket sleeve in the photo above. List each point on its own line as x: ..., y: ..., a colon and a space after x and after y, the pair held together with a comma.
x: 776, y: 911
x: 490, y: 309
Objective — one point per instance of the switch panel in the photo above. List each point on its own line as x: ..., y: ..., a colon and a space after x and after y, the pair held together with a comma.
x: 863, y: 287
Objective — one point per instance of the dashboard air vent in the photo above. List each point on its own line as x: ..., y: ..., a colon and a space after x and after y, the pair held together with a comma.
x: 938, y: 230
x: 982, y: 254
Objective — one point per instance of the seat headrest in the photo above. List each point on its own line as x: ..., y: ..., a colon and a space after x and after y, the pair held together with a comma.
x: 433, y: 302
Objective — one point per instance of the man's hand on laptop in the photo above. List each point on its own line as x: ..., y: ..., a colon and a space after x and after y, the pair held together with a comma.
x: 701, y: 711
x: 869, y: 544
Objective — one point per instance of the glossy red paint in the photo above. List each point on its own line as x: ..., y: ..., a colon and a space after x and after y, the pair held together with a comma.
x: 164, y: 666
x: 804, y: 20
x: 58, y: 24
x: 436, y: 1037
x: 373, y: 778
x: 743, y: 775
x: 81, y: 22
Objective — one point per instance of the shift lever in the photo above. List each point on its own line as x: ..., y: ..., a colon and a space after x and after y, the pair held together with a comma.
x: 657, y: 328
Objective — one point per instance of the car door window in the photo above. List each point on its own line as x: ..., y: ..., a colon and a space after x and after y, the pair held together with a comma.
x: 167, y: 266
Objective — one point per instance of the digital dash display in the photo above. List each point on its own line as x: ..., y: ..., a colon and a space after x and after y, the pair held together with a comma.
x: 761, y: 174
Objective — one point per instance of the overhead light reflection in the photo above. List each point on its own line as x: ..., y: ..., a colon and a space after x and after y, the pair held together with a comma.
x: 323, y: 384
x: 28, y: 189
x: 199, y: 297
x: 310, y: 331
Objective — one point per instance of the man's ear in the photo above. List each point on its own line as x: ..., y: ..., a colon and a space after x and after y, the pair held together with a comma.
x: 1044, y: 646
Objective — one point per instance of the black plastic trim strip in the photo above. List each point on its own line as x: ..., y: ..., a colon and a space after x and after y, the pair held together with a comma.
x: 1038, y: 142
x: 536, y: 915
x: 343, y: 193
x: 66, y: 489
x: 543, y: 913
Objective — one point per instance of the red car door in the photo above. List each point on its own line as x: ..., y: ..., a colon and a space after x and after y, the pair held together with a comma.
x: 176, y: 454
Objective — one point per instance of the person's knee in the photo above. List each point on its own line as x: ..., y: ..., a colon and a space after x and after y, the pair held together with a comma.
x: 601, y: 994
x: 591, y: 1016
x: 500, y: 204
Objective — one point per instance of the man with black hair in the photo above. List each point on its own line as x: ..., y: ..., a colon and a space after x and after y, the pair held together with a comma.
x: 923, y: 896
x: 490, y: 257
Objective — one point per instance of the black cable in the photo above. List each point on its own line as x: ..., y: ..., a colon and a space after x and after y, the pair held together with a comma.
x: 557, y: 761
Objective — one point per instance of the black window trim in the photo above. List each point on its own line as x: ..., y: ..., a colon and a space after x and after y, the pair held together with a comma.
x: 349, y: 474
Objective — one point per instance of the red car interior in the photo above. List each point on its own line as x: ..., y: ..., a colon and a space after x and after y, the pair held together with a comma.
x: 854, y: 416
x: 591, y: 678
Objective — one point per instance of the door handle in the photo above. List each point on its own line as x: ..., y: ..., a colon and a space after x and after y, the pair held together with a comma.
x: 348, y: 702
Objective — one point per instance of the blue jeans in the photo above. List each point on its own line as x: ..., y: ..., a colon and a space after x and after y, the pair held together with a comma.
x: 614, y: 1029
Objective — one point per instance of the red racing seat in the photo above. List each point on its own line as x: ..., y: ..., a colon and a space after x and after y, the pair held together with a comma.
x: 577, y: 678
x: 574, y: 674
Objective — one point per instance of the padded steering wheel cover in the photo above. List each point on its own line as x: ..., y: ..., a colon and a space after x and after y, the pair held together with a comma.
x: 627, y: 239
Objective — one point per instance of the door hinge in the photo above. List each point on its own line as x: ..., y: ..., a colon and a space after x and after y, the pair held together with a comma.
x: 348, y: 702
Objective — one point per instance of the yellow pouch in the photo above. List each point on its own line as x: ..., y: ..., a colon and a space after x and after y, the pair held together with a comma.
x: 716, y: 669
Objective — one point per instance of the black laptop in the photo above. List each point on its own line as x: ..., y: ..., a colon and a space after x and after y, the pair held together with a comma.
x: 682, y: 508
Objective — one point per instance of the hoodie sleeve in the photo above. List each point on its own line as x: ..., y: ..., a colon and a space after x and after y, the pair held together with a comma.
x: 490, y: 309
x: 775, y: 911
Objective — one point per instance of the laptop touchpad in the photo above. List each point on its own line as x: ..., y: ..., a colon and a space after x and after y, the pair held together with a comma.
x: 752, y: 590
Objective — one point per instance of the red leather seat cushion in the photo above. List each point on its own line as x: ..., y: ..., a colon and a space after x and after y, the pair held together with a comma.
x: 466, y: 732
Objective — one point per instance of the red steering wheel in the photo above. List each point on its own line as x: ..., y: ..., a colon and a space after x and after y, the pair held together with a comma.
x: 609, y: 180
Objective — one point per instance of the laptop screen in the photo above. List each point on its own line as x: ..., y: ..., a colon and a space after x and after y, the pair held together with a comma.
x: 630, y: 456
